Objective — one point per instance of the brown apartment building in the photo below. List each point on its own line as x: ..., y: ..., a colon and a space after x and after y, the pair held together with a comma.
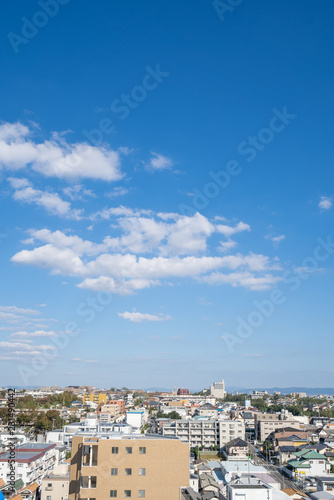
x: 128, y: 466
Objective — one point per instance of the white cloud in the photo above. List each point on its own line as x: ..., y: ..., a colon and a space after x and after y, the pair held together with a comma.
x: 117, y: 264
x: 117, y: 191
x: 252, y: 355
x: 228, y: 230
x: 77, y: 192
x: 34, y: 334
x: 56, y: 157
x: 159, y: 162
x: 325, y: 203
x: 276, y: 239
x: 244, y: 279
x: 18, y: 310
x: 226, y: 246
x: 137, y: 317
x: 120, y: 287
x: 25, y: 193
x: 22, y: 346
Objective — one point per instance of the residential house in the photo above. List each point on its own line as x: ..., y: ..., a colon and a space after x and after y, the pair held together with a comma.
x: 307, y: 463
x: 237, y: 449
x: 325, y: 483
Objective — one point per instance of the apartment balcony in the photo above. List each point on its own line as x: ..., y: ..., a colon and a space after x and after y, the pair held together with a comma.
x: 88, y: 483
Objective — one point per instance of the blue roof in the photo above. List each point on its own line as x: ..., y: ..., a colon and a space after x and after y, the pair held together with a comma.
x: 35, y: 446
x: 214, y: 464
x: 218, y: 475
x: 20, y: 455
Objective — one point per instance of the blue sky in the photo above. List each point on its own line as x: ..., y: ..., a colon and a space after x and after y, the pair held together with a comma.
x: 167, y: 193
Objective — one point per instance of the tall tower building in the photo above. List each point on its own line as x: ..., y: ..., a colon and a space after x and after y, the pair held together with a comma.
x: 217, y: 389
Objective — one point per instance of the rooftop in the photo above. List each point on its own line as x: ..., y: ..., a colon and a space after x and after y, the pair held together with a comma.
x: 122, y: 435
x: 25, y: 456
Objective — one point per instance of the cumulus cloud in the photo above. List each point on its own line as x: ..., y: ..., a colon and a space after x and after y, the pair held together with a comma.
x: 226, y: 246
x: 137, y: 317
x: 178, y: 245
x: 229, y: 230
x: 159, y: 162
x: 56, y: 157
x: 325, y: 203
x: 52, y: 202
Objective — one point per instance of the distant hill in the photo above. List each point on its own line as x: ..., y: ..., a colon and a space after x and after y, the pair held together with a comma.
x: 310, y: 391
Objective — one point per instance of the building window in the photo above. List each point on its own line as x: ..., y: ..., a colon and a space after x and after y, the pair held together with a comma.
x: 114, y: 450
x: 113, y: 493
x: 142, y: 472
x: 128, y: 450
x: 49, y: 485
x: 141, y: 493
x: 142, y: 450
x: 48, y: 498
x: 114, y: 472
x: 127, y: 493
x: 128, y: 472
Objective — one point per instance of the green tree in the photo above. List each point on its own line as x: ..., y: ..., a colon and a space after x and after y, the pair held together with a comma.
x: 174, y: 415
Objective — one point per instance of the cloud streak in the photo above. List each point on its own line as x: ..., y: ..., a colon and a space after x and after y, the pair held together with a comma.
x: 137, y: 317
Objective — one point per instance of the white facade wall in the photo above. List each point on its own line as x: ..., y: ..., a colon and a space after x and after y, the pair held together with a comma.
x: 135, y: 418
x: 230, y: 429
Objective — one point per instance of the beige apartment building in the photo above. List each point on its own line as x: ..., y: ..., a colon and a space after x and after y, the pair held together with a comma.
x: 55, y: 485
x: 266, y: 423
x: 128, y: 466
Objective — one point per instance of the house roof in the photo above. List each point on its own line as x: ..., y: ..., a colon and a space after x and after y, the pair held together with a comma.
x: 22, y: 456
x: 294, y: 437
x: 287, y: 429
x: 321, y: 495
x: 286, y: 449
x: 299, y: 464
x: 326, y: 479
x: 313, y: 455
x: 208, y: 496
x: 33, y: 487
x: 236, y: 442
x: 18, y: 484
x: 214, y: 464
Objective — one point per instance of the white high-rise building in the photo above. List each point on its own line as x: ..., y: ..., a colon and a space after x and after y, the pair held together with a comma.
x: 218, y: 389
